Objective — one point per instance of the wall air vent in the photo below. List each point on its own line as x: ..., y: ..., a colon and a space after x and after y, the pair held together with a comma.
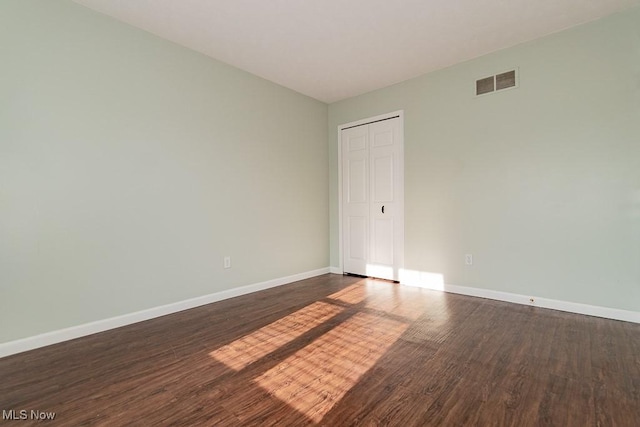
x: 506, y: 80
x: 486, y: 85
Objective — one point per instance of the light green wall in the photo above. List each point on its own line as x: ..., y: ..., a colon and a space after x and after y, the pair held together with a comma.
x: 540, y: 183
x: 129, y: 166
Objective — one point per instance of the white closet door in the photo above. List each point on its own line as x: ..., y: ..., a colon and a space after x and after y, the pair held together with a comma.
x: 373, y: 212
x: 385, y: 207
x: 355, y: 220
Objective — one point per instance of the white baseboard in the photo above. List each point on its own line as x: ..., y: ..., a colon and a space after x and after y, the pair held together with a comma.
x: 571, y: 307
x: 54, y: 337
x: 335, y: 270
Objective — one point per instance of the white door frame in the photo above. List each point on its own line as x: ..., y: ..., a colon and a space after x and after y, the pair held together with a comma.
x: 400, y: 115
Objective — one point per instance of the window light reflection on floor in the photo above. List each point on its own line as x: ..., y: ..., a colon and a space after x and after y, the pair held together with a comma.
x: 316, y: 377
x: 353, y: 294
x: 250, y: 348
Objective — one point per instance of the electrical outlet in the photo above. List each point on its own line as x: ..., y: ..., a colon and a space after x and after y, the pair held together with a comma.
x: 468, y: 259
x: 227, y: 262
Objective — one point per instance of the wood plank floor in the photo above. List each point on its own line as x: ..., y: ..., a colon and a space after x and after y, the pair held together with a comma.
x: 334, y: 351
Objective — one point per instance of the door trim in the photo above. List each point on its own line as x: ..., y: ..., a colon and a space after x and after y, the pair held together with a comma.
x: 400, y: 115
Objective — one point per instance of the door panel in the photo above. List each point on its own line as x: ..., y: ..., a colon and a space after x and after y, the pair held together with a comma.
x: 382, y: 239
x: 358, y: 237
x: 357, y: 142
x: 382, y: 173
x: 385, y: 208
x: 357, y: 189
x: 383, y: 136
x: 355, y: 173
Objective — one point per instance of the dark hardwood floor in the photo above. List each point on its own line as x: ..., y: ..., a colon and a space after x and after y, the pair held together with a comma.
x: 334, y: 351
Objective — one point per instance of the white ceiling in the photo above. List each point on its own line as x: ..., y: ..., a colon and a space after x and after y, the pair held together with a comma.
x: 335, y: 49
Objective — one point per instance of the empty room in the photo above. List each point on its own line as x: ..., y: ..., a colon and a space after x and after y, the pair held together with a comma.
x: 288, y: 213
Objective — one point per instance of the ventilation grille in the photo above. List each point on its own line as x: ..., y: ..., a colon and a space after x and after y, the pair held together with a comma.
x: 506, y: 80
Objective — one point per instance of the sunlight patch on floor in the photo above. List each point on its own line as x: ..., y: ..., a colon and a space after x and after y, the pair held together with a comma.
x: 353, y: 294
x: 250, y: 348
x: 316, y: 377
